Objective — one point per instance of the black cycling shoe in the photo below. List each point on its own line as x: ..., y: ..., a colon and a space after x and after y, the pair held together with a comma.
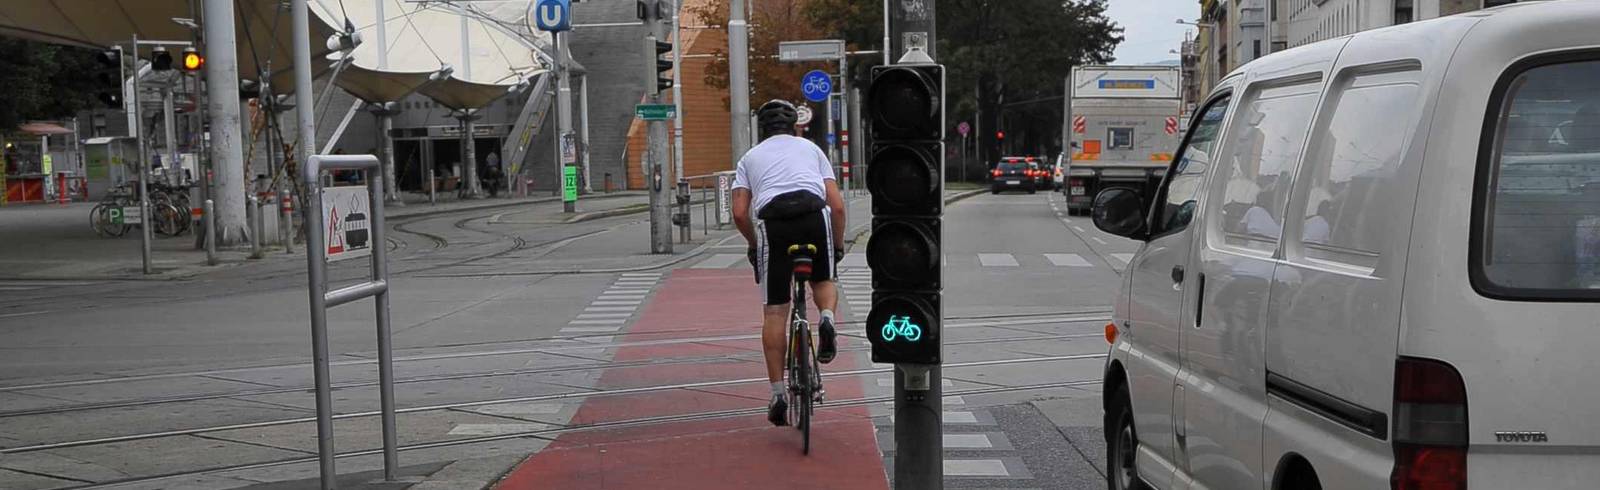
x: 825, y: 344
x: 778, y: 411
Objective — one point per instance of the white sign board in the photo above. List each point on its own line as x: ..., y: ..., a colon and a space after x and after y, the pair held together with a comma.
x: 1125, y: 82
x: 724, y: 197
x: 347, y: 213
x: 823, y: 50
x: 803, y: 115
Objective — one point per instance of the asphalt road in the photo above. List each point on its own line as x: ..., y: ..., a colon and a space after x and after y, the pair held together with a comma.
x: 494, y: 310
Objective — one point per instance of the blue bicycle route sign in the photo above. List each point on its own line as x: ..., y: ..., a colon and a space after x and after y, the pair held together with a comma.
x: 816, y: 85
x: 553, y: 15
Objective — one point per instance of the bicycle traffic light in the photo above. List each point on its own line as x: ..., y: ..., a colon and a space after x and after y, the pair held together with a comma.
x: 108, y: 75
x: 905, y: 115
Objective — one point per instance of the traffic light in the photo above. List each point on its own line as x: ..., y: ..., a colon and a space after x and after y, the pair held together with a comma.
x: 905, y: 114
x: 663, y: 66
x: 192, y: 61
x: 1000, y: 135
x: 160, y: 59
x: 108, y: 76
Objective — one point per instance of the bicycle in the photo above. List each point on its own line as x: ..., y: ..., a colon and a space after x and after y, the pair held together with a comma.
x: 100, y: 217
x: 804, y: 374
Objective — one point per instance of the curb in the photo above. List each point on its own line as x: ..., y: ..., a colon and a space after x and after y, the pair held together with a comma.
x: 622, y: 211
x: 494, y: 205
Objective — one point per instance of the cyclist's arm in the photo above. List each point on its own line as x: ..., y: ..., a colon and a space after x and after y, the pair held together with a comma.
x: 741, y: 215
x: 836, y: 205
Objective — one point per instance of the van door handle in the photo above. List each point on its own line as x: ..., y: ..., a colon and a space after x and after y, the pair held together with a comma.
x: 1177, y: 274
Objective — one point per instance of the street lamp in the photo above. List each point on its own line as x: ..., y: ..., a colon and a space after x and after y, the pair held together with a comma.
x: 1197, y: 23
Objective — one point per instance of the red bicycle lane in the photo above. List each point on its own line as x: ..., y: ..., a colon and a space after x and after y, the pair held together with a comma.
x: 724, y: 452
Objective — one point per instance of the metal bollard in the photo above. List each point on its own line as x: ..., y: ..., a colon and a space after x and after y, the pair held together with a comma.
x: 210, y: 223
x: 252, y: 208
x: 286, y: 220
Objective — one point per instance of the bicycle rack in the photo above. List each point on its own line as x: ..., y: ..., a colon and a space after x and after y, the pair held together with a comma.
x: 321, y: 299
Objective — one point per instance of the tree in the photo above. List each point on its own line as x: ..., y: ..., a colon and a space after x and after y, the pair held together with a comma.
x: 772, y: 22
x: 997, y: 54
x: 43, y: 81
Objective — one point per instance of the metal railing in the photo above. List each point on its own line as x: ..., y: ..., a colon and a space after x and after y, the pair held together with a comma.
x: 713, y: 201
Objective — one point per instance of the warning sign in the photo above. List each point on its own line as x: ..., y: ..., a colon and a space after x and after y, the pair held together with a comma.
x: 346, y: 218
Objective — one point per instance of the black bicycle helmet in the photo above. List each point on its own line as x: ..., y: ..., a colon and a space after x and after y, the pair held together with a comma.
x: 777, y: 112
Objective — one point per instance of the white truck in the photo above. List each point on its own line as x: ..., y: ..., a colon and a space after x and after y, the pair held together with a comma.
x: 1124, y: 122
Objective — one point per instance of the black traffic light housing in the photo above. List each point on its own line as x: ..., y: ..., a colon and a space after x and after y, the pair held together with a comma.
x: 905, y: 117
x: 160, y: 59
x: 663, y: 67
x: 108, y: 77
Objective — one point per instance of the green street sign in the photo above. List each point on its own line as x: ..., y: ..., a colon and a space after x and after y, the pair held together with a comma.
x: 569, y: 183
x: 655, y: 112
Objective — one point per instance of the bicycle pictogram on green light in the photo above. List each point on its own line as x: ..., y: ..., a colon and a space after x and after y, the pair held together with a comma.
x: 901, y: 326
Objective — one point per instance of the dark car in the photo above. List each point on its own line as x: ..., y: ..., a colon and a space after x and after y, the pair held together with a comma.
x: 1015, y: 173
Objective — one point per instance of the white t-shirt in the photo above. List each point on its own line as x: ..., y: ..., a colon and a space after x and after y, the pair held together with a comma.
x: 780, y: 165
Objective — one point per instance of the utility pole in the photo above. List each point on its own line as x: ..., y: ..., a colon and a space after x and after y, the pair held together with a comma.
x: 918, y: 397
x: 222, y: 107
x: 739, y: 78
x: 564, y: 111
x: 305, y: 112
x: 656, y: 177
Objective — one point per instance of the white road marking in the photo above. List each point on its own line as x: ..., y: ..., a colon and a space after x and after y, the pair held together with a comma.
x: 1067, y: 260
x: 960, y: 418
x: 494, y: 429
x: 590, y: 330
x: 967, y: 441
x: 997, y: 260
x: 615, y: 303
x: 1079, y: 229
x: 720, y: 261
x: 595, y: 316
x: 889, y: 383
x: 609, y: 308
x: 975, y: 467
x: 611, y: 296
x: 1125, y: 258
x: 641, y: 274
x: 856, y: 259
x: 1097, y: 240
x: 523, y: 408
x: 606, y: 321
x: 955, y: 400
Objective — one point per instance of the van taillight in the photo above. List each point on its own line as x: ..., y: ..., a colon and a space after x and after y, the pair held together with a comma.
x: 1430, y: 426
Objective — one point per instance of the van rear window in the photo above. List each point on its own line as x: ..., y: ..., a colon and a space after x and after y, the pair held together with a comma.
x: 1540, y: 222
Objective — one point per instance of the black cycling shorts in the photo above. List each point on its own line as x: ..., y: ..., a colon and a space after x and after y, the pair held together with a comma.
x: 773, y: 264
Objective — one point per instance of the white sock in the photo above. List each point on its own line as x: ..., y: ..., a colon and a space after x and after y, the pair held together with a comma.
x: 827, y: 316
x: 777, y: 388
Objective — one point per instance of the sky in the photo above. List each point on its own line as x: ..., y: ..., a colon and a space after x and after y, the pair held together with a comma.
x: 1149, y: 30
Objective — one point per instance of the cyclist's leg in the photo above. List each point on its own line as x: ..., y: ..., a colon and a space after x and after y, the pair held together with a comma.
x: 824, y: 293
x: 773, y: 277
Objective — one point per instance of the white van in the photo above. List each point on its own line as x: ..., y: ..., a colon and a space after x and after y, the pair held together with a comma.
x: 1374, y: 263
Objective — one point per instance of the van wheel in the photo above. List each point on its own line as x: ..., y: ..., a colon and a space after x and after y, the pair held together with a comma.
x: 1121, y: 473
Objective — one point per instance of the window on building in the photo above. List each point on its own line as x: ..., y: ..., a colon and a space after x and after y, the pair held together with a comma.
x: 1255, y: 49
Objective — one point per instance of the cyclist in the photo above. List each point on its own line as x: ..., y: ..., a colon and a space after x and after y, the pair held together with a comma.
x: 787, y: 184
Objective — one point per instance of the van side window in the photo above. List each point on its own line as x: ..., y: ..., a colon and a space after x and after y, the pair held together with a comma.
x: 1263, y: 147
x: 1352, y: 168
x: 1189, y: 171
x: 1540, y: 208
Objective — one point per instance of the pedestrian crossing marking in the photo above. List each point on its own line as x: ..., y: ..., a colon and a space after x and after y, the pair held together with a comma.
x: 591, y: 329
x: 997, y: 260
x: 975, y: 467
x: 606, y: 321
x: 968, y: 441
x: 720, y: 261
x: 641, y: 274
x: 960, y: 418
x: 593, y: 316
x: 609, y: 308
x: 1067, y: 260
x: 855, y: 259
x: 1125, y: 258
x: 616, y: 303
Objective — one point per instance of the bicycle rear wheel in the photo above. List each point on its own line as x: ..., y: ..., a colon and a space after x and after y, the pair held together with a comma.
x: 806, y: 397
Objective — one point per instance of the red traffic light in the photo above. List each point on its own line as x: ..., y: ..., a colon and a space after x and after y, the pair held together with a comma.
x: 1000, y: 135
x: 192, y: 61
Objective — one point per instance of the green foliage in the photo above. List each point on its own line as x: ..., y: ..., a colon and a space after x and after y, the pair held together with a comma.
x: 43, y: 81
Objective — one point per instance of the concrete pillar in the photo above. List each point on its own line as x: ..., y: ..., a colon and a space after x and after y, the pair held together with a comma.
x: 222, y: 107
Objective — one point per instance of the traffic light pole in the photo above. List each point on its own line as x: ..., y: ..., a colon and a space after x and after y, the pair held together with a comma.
x: 918, y: 396
x: 739, y: 78
x: 656, y: 178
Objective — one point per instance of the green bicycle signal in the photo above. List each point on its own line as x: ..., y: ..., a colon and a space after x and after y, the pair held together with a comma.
x: 901, y: 326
